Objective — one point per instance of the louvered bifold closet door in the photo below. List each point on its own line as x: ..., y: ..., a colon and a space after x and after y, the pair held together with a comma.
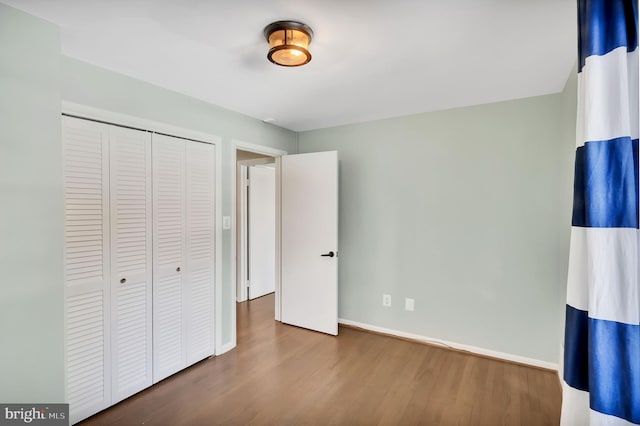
x: 200, y: 249
x: 86, y: 266
x: 131, y: 262
x: 169, y: 268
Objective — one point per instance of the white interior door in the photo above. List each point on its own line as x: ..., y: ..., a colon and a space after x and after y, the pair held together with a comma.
x: 200, y: 245
x: 184, y: 220
x: 131, y: 269
x: 169, y: 204
x: 262, y: 230
x: 86, y: 266
x: 309, y: 245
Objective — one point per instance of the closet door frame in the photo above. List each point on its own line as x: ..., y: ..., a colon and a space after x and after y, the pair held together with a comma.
x: 109, y: 117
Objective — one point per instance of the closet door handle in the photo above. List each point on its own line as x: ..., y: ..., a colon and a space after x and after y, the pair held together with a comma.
x: 330, y: 254
x: 123, y: 280
x: 178, y: 269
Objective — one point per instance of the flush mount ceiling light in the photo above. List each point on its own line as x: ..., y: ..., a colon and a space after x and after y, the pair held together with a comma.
x: 288, y: 43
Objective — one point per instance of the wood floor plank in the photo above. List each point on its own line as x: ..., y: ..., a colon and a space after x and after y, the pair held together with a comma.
x: 283, y: 375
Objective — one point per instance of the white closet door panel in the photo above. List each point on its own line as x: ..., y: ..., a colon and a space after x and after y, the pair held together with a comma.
x: 168, y: 341
x: 86, y: 198
x: 131, y: 269
x: 86, y: 266
x: 87, y: 367
x: 169, y: 345
x: 201, y: 313
x: 200, y: 190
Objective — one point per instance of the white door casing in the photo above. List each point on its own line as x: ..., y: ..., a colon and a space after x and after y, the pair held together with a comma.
x: 309, y: 226
x: 242, y: 232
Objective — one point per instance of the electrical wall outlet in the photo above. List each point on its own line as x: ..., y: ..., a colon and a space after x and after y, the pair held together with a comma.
x: 409, y: 304
x: 386, y: 300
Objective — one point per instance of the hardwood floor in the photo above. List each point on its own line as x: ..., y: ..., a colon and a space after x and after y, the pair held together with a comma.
x: 283, y: 375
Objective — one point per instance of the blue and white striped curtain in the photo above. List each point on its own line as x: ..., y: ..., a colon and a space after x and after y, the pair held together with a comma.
x: 602, y: 335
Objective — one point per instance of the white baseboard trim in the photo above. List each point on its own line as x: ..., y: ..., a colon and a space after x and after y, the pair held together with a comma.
x: 561, y: 382
x: 453, y: 345
x: 561, y: 368
x: 225, y: 348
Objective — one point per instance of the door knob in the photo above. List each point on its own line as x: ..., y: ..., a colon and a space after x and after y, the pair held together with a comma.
x: 123, y: 280
x: 330, y: 254
x: 178, y: 269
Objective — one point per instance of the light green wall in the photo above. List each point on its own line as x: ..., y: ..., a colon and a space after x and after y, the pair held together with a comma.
x: 467, y: 211
x: 568, y: 105
x: 34, y: 78
x: 568, y: 114
x: 31, y: 272
x: 97, y: 87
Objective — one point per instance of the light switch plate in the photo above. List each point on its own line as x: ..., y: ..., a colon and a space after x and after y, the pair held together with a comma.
x: 409, y: 304
x: 386, y: 300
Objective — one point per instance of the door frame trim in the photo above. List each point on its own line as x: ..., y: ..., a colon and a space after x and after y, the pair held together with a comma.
x: 275, y: 153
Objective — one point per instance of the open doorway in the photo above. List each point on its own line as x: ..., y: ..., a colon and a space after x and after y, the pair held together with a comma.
x: 306, y: 236
x: 256, y: 231
x: 256, y: 219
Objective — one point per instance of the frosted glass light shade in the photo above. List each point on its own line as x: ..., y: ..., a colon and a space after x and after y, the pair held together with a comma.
x: 288, y: 43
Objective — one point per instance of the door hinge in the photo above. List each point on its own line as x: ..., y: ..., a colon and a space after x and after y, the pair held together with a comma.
x: 248, y: 283
x: 246, y: 183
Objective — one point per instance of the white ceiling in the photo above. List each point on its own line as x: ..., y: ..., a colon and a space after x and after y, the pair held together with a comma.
x: 372, y: 59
